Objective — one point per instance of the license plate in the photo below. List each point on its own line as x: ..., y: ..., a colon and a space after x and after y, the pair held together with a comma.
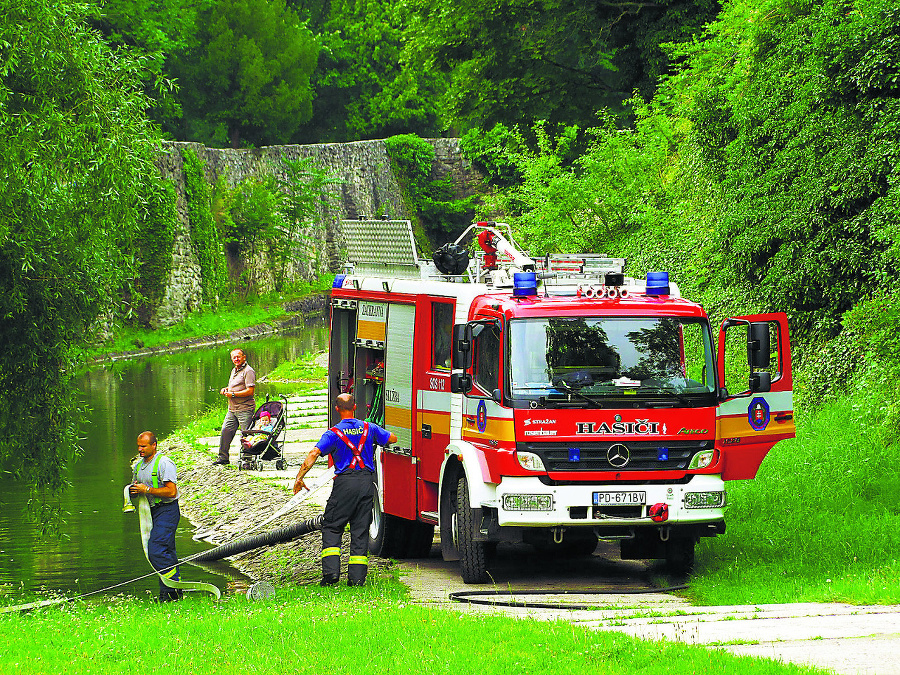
x: 619, y: 498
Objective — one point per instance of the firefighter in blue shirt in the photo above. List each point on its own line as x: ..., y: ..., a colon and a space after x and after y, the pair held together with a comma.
x: 351, y: 445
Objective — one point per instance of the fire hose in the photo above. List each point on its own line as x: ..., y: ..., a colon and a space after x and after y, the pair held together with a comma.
x: 260, y: 540
x: 238, y: 545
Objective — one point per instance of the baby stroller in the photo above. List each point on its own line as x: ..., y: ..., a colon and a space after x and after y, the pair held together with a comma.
x: 264, y: 440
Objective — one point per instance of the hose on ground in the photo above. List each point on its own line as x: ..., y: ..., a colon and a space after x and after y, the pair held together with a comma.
x: 259, y: 540
x: 476, y: 597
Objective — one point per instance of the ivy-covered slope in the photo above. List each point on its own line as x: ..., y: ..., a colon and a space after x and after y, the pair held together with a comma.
x: 765, y: 174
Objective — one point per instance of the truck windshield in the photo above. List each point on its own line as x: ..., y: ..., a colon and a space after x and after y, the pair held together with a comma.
x: 593, y: 360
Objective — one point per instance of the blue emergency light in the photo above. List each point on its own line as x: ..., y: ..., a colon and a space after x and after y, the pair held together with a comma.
x: 524, y: 284
x: 657, y: 283
x: 338, y: 281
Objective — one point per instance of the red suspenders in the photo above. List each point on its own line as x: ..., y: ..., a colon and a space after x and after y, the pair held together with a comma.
x: 357, y: 461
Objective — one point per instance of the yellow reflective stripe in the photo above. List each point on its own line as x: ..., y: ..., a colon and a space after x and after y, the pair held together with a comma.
x: 331, y: 551
x: 171, y: 573
x: 359, y: 560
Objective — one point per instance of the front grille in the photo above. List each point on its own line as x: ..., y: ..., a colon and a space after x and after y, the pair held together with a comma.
x: 643, y: 455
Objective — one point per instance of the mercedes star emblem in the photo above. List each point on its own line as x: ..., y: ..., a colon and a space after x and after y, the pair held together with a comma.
x: 618, y: 456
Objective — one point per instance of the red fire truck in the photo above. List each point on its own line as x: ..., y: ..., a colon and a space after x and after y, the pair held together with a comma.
x: 551, y: 401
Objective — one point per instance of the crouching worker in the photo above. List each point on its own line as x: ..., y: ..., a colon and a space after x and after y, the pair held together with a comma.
x: 351, y: 445
x: 155, y: 476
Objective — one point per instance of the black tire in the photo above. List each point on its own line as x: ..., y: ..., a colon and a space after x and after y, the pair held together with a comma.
x: 680, y: 556
x: 386, y: 533
x: 280, y: 465
x: 472, y: 554
x: 419, y: 540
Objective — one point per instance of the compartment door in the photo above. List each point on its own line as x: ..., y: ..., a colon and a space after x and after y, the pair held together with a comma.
x: 398, y: 466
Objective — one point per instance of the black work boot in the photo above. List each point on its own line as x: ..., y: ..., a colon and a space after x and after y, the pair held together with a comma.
x: 329, y: 580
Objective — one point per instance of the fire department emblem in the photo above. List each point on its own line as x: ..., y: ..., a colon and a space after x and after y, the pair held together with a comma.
x: 481, y: 417
x: 758, y: 414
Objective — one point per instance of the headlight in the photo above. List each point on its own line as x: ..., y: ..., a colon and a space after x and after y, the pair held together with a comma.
x: 527, y: 503
x: 704, y: 500
x: 702, y: 459
x: 530, y: 461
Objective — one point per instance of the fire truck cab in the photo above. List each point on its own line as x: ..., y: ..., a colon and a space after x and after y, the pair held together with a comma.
x: 549, y: 400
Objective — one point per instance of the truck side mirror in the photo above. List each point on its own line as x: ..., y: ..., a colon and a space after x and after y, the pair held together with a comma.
x: 759, y: 351
x: 460, y: 383
x: 761, y: 382
x: 462, y: 344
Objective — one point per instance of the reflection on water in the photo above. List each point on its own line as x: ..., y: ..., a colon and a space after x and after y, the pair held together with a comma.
x: 100, y: 545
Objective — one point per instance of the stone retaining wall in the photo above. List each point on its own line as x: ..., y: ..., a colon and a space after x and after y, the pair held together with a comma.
x: 367, y: 187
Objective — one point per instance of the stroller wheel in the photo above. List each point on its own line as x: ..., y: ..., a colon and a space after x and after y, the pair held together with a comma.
x: 246, y: 466
x: 280, y: 464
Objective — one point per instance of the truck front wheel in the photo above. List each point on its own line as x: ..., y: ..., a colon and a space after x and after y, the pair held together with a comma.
x: 680, y: 556
x: 472, y: 554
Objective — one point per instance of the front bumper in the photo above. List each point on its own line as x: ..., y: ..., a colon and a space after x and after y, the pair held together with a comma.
x: 573, y: 505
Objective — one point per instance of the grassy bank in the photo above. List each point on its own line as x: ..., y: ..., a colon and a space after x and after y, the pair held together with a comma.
x: 333, y: 630
x: 820, y: 523
x: 208, y: 321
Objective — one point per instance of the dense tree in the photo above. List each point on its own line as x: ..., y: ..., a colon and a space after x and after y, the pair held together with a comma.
x: 76, y: 155
x: 518, y: 61
x: 362, y: 87
x: 794, y: 111
x: 246, y: 78
x: 161, y: 29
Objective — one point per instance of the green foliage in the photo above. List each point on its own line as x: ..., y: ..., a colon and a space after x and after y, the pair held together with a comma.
x: 520, y: 61
x: 615, y: 187
x: 362, y: 87
x: 154, y: 246
x: 204, y: 234
x: 158, y: 29
x: 818, y: 524
x: 430, y: 201
x: 489, y: 152
x: 794, y: 111
x: 246, y: 77
x: 76, y: 155
x: 275, y: 214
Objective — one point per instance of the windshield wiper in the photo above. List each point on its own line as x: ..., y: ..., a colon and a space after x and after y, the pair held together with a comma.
x: 681, y: 398
x: 571, y: 391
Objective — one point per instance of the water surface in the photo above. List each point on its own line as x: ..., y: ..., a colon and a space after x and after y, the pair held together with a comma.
x: 100, y: 546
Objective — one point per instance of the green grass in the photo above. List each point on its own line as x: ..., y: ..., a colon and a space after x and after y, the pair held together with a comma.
x: 335, y: 630
x: 820, y: 523
x: 303, y: 369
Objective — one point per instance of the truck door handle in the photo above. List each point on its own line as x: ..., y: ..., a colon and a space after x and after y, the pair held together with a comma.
x: 426, y: 431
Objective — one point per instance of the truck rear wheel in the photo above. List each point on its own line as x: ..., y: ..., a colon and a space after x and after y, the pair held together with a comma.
x: 472, y: 554
x: 394, y: 537
x: 385, y: 533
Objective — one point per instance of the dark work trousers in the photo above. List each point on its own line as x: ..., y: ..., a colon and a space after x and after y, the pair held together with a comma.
x: 232, y: 422
x: 161, y: 545
x: 350, y: 502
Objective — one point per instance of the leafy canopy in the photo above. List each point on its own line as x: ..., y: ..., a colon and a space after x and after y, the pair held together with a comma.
x: 76, y: 155
x: 363, y: 90
x: 247, y: 75
x: 520, y: 61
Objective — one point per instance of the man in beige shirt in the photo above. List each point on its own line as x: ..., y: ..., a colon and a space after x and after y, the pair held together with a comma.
x: 241, y: 404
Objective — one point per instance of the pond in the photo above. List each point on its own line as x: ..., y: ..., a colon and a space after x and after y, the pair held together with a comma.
x: 99, y: 546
